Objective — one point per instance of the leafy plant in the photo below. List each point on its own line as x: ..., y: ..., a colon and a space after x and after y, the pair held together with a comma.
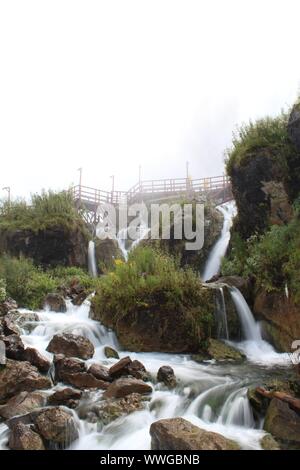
x: 45, y: 210
x: 269, y: 133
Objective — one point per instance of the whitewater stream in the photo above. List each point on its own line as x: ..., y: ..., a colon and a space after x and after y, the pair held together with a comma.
x: 211, y: 395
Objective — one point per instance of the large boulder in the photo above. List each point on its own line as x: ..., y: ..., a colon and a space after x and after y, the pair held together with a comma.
x: 71, y: 345
x: 56, y: 426
x: 179, y: 434
x: 283, y: 423
x: 125, y: 386
x: 22, y: 403
x: 17, y: 376
x: 55, y: 302
x: 22, y: 437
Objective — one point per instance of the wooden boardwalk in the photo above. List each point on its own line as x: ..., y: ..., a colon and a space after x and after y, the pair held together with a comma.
x: 215, y: 188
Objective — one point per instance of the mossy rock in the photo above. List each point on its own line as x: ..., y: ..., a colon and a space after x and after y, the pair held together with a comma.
x: 283, y: 423
x: 156, y: 324
x: 268, y: 443
x: 219, y: 351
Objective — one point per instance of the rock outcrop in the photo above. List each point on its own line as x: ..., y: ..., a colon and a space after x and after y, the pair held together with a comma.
x: 56, y: 245
x: 283, y: 423
x: 155, y: 324
x: 280, y: 317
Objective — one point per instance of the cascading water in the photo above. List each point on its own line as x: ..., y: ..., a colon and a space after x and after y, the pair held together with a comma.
x: 211, y: 396
x: 221, y: 315
x: 92, y: 265
x: 250, y: 328
x: 255, y: 348
x: 213, y: 263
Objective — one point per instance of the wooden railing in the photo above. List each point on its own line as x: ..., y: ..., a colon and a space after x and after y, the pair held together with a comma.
x: 148, y: 187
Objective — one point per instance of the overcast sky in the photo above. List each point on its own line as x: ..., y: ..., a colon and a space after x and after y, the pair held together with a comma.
x: 108, y: 85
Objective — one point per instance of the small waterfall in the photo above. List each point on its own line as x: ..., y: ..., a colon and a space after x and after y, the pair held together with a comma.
x: 221, y: 315
x: 92, y: 265
x: 213, y: 263
x: 250, y: 328
x: 237, y: 410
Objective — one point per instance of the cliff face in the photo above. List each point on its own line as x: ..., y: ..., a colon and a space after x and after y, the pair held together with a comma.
x: 259, y: 189
x: 53, y: 246
x: 264, y: 166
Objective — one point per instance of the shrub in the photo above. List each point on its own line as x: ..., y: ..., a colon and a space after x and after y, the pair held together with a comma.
x: 28, y: 284
x: 152, y: 281
x: 273, y: 258
x: 268, y: 133
x: 45, y: 210
x: 24, y: 282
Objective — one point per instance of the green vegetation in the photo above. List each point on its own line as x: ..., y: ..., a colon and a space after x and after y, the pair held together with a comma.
x: 273, y: 258
x: 28, y: 284
x: 45, y: 210
x: 269, y: 134
x: 152, y: 282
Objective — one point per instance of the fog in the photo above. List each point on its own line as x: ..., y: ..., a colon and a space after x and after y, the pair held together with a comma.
x: 111, y: 85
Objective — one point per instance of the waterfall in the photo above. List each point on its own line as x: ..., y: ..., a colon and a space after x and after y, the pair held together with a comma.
x: 250, y: 328
x: 92, y: 265
x: 237, y: 410
x: 254, y: 346
x: 213, y: 263
x: 221, y: 315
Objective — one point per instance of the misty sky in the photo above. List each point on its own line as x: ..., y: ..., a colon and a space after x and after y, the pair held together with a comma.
x: 109, y: 85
